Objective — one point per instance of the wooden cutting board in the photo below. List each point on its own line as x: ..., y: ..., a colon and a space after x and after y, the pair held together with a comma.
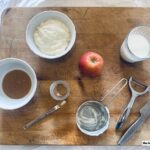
x: 98, y: 29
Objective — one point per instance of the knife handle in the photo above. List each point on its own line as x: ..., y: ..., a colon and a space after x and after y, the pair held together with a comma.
x: 131, y: 130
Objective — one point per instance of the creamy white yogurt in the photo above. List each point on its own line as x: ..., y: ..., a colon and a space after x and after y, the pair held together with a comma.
x: 52, y: 37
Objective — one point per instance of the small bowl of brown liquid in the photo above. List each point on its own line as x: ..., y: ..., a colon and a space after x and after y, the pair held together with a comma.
x: 18, y: 83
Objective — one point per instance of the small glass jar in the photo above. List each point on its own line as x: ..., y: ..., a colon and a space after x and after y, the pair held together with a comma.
x: 61, y: 93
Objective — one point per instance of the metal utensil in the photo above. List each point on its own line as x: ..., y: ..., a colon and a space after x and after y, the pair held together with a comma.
x: 145, y: 112
x: 116, y: 89
x: 42, y: 116
x: 92, y: 117
x: 128, y: 108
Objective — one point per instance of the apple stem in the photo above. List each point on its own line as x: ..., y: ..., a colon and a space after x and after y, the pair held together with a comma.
x: 93, y: 60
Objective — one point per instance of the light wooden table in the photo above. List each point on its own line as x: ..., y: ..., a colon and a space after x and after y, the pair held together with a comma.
x: 98, y: 29
x: 116, y: 3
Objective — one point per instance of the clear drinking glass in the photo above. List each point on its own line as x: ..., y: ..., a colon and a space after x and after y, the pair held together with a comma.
x: 136, y: 46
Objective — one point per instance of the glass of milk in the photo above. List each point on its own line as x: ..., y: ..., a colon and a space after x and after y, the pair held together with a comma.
x: 136, y: 46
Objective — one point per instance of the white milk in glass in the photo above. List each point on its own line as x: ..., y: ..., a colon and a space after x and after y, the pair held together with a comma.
x: 136, y: 47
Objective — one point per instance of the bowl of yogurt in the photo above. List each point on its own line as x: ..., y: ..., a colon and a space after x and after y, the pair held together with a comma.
x: 50, y: 34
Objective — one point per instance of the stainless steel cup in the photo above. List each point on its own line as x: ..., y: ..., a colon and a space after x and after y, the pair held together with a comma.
x: 92, y: 118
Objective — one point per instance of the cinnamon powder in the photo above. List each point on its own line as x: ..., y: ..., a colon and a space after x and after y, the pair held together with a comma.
x: 16, y: 84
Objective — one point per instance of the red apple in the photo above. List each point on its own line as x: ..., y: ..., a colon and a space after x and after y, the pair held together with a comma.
x: 91, y: 64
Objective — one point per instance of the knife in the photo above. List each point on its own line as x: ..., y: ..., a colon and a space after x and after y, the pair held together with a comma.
x: 145, y: 112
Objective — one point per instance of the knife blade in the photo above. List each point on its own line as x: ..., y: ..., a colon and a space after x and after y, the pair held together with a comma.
x: 145, y: 112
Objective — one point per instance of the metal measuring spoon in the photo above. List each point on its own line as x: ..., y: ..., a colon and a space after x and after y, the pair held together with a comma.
x: 56, y: 96
x: 92, y: 117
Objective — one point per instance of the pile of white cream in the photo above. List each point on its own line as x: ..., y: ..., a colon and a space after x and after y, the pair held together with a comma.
x: 52, y: 37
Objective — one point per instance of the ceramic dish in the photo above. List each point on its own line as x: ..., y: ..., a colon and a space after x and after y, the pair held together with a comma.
x: 10, y: 64
x: 41, y: 17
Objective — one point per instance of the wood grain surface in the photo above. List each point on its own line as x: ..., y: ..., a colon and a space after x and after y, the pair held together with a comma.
x: 98, y: 29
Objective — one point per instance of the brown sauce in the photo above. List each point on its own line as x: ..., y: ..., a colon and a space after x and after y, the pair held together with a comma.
x: 60, y: 90
x: 16, y: 84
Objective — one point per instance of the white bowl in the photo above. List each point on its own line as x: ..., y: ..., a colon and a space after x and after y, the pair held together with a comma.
x: 43, y: 16
x: 10, y: 64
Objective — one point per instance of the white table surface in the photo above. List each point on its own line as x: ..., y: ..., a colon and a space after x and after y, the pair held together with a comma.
x: 117, y: 3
